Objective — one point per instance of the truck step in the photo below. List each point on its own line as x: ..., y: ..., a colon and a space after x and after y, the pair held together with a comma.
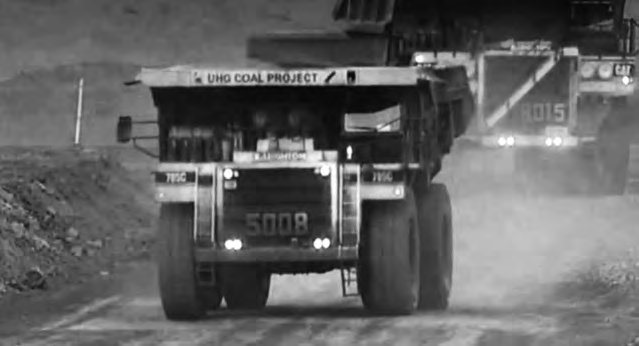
x: 349, y: 282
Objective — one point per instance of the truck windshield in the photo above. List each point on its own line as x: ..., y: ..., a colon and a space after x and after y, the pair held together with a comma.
x: 588, y: 16
x: 385, y: 120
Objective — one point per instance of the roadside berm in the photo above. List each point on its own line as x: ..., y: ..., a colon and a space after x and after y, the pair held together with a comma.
x: 67, y: 216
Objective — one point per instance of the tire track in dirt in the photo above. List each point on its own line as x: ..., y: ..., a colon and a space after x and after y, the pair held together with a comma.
x: 138, y: 321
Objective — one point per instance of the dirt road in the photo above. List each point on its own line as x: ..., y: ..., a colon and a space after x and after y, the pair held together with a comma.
x: 519, y: 280
x: 304, y: 311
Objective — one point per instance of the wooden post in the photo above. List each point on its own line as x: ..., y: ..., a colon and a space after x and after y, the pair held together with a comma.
x: 78, y: 117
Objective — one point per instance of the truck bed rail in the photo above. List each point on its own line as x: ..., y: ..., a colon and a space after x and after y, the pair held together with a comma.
x: 185, y: 76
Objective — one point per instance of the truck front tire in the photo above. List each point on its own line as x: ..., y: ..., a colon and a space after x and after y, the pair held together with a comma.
x: 435, y: 219
x: 388, y: 272
x: 179, y: 292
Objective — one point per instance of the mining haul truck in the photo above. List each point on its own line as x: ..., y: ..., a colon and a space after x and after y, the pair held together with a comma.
x: 298, y: 171
x: 558, y: 93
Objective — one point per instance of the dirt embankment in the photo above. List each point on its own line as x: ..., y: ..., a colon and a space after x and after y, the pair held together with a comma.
x: 67, y: 216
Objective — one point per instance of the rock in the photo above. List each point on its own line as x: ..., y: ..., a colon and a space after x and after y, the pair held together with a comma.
x: 18, y: 229
x: 97, y: 244
x: 40, y: 244
x: 105, y: 273
x: 4, y: 224
x: 34, y: 279
x: 3, y: 288
x: 72, y: 234
x: 52, y: 211
x: 58, y: 244
x: 77, y: 251
x: 34, y: 225
x: 16, y: 286
x: 5, y: 195
x: 91, y: 252
x: 43, y: 187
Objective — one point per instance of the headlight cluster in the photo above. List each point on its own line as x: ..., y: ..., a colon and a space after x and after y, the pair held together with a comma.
x: 321, y: 243
x: 233, y: 244
x: 603, y: 70
x: 554, y: 141
x: 506, y: 141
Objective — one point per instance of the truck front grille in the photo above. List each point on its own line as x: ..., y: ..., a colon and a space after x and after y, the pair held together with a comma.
x: 547, y: 103
x: 277, y: 207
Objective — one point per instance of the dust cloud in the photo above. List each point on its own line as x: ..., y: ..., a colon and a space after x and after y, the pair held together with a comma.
x: 514, y: 250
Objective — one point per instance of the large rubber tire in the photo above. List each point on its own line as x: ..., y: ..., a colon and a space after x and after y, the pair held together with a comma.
x: 179, y: 293
x: 436, y: 242
x: 388, y: 271
x: 613, y: 147
x: 612, y: 160
x: 245, y: 286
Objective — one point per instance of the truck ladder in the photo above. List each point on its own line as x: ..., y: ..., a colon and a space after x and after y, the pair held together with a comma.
x: 350, y: 217
x: 349, y: 282
x: 632, y: 183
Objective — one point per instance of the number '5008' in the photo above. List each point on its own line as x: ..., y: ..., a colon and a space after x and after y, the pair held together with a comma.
x: 274, y: 224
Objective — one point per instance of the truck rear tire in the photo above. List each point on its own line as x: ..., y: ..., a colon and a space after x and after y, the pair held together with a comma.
x: 612, y: 157
x: 245, y: 286
x: 179, y: 292
x: 388, y: 271
x: 612, y: 162
x: 436, y: 242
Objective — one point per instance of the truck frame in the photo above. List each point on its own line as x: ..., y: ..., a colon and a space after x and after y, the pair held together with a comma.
x: 297, y: 171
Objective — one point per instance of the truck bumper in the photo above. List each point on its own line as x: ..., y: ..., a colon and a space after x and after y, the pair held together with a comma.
x: 277, y: 255
x: 519, y: 141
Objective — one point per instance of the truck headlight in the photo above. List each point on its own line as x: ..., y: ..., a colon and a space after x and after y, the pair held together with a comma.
x: 626, y: 80
x: 233, y: 244
x: 605, y: 71
x: 506, y: 141
x: 588, y: 70
x: 554, y: 141
x: 325, y: 171
x: 228, y: 174
x: 321, y: 243
x: 421, y: 59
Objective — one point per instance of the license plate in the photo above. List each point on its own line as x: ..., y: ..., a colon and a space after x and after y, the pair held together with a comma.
x: 543, y: 112
x: 624, y: 69
x: 276, y: 224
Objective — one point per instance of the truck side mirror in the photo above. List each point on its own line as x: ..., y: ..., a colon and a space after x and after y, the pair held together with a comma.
x: 125, y: 129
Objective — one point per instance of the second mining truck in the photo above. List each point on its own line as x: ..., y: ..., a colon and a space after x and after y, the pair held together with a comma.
x: 554, y: 83
x: 552, y: 80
